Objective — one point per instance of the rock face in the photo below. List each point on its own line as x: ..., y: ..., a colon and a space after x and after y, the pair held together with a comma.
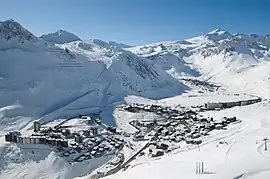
x: 11, y: 30
x: 60, y: 37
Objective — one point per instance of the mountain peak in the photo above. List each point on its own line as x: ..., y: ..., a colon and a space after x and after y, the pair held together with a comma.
x: 60, y: 37
x: 218, y: 32
x: 11, y: 29
x: 121, y: 45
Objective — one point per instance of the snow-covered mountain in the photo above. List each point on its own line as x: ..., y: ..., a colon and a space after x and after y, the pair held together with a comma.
x: 60, y: 37
x: 218, y: 56
x: 46, y: 80
x: 120, y: 45
x: 70, y: 77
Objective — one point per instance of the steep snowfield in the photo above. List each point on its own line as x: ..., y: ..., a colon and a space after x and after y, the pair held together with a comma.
x: 60, y: 37
x: 217, y: 56
x: 49, y: 81
x: 169, y: 56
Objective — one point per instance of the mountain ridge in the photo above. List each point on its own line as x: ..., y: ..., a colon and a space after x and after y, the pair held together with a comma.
x: 53, y: 80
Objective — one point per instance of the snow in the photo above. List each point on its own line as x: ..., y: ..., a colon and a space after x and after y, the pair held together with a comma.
x: 60, y: 37
x: 200, y: 99
x: 122, y: 119
x: 53, y: 82
x: 230, y: 160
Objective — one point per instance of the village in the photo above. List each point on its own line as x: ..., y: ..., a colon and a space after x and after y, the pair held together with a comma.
x: 76, y: 139
x: 178, y: 125
x: 87, y: 137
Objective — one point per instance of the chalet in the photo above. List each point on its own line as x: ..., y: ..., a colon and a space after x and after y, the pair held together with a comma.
x: 196, y: 135
x: 197, y: 142
x: 163, y: 146
x: 118, y: 145
x: 139, y: 137
x: 101, y: 149
x: 107, y: 148
x: 219, y: 126
x: 93, y: 152
x: 157, y: 153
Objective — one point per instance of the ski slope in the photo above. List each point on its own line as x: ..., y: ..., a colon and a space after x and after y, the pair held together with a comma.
x: 226, y: 154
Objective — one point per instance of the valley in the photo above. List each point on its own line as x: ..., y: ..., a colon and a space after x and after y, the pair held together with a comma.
x: 73, y: 108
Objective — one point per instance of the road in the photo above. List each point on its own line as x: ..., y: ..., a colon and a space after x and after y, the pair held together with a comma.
x: 123, y: 165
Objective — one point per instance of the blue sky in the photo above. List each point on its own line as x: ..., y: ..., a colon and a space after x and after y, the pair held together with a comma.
x: 139, y: 21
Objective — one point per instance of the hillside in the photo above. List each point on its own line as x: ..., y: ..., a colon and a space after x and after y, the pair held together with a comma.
x: 49, y: 81
x: 217, y: 56
x: 153, y: 94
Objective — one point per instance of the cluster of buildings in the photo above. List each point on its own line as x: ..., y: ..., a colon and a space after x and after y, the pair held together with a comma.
x: 88, y: 140
x: 38, y: 137
x: 164, y: 111
x: 223, y: 105
x: 177, y: 126
x: 95, y: 148
x: 205, y: 85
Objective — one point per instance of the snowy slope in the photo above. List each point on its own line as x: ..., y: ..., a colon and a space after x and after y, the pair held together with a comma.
x: 60, y: 37
x: 49, y: 81
x: 217, y: 56
x: 236, y: 151
x: 120, y: 45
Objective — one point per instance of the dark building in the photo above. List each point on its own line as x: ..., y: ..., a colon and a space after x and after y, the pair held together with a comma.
x: 8, y: 138
x: 94, y: 131
x: 42, y: 140
x: 20, y: 139
x: 36, y: 126
x: 64, y: 143
x: 157, y: 153
x: 111, y: 129
x: 14, y: 136
x: 78, y: 139
x: 86, y: 133
x: 65, y: 132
